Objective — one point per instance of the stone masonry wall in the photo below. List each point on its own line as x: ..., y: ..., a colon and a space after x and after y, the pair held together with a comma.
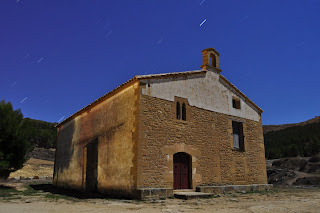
x: 206, y: 136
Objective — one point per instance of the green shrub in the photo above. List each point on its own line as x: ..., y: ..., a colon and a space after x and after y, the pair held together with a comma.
x: 315, y: 158
x: 13, y: 141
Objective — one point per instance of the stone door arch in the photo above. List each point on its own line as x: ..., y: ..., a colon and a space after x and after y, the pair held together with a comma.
x: 193, y: 153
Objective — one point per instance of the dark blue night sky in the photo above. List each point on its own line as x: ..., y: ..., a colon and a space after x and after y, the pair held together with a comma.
x: 58, y: 56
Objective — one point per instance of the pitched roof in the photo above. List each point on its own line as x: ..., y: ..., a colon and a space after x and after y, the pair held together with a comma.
x: 151, y: 76
x: 132, y: 80
x: 171, y: 74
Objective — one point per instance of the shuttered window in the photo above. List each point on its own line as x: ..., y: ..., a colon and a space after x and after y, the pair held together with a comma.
x: 238, y: 137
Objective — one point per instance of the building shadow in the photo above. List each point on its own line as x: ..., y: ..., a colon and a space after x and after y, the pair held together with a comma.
x: 74, y: 193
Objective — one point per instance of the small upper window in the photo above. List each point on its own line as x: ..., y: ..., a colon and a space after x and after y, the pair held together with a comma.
x: 236, y: 103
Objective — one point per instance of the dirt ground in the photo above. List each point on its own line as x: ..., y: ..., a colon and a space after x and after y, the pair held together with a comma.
x: 34, y: 167
x: 20, y: 193
x: 40, y: 164
x: 26, y: 196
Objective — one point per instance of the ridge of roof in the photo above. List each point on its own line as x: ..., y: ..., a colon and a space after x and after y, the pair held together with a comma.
x: 137, y: 77
x: 150, y: 76
x: 96, y: 101
x: 168, y: 75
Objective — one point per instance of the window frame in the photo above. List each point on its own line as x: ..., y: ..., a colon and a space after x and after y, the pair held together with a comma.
x: 178, y: 111
x: 238, y: 134
x: 183, y: 112
x: 236, y: 103
x: 181, y: 109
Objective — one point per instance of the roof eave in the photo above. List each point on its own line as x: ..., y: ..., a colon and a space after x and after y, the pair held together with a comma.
x: 99, y: 100
x: 132, y: 80
x: 235, y: 88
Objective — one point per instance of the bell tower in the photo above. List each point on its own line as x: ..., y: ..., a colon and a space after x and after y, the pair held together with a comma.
x: 210, y: 60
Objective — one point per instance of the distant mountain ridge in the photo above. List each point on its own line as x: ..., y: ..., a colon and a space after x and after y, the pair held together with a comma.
x: 292, y: 140
x: 269, y: 128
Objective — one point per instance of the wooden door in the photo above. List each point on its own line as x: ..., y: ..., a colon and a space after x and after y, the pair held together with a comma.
x: 181, y: 171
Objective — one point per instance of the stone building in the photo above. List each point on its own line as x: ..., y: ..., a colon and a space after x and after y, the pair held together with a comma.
x: 158, y: 133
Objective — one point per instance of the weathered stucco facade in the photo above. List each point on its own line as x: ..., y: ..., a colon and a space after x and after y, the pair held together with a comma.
x: 131, y: 141
x: 112, y: 123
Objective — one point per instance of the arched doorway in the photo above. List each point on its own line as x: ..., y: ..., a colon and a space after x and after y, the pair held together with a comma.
x: 182, y: 171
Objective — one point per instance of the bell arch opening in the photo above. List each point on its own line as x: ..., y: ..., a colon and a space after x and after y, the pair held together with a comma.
x: 213, y: 60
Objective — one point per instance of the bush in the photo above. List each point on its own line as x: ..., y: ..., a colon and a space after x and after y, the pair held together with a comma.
x: 303, y: 165
x: 315, y: 158
x: 13, y: 141
x: 273, y: 154
x: 314, y: 168
x: 277, y: 163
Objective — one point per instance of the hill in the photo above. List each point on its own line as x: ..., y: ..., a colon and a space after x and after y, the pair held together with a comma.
x: 270, y: 128
x: 40, y: 133
x: 291, y: 140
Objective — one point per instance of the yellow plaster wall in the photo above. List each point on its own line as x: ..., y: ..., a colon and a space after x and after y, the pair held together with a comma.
x: 113, y: 123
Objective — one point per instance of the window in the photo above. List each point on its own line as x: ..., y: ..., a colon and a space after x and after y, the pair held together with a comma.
x: 238, y: 138
x: 183, y: 111
x: 236, y: 103
x: 178, y: 110
x: 213, y: 60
